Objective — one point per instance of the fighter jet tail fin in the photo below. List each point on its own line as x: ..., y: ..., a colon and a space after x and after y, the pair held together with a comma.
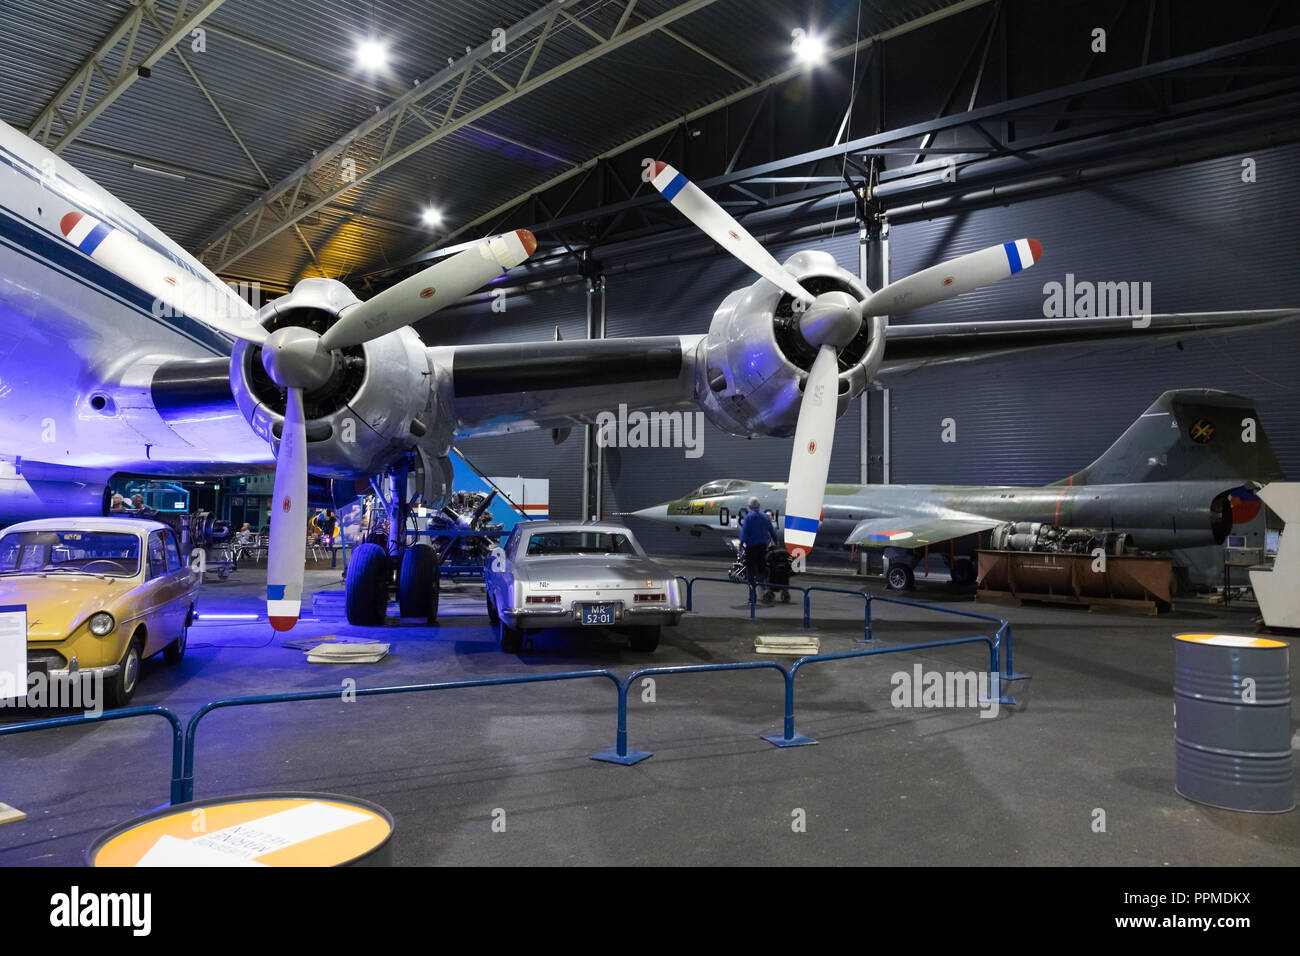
x: 1188, y: 434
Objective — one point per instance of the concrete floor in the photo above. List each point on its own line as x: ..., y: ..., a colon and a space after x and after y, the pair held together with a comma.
x: 883, y: 786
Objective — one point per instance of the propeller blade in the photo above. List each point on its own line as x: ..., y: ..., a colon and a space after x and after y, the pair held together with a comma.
x: 428, y: 291
x: 811, y: 460
x: 288, y: 546
x: 952, y: 278
x: 178, y: 289
x: 695, y: 205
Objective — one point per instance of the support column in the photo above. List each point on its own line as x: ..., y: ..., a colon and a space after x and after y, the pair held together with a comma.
x: 593, y: 456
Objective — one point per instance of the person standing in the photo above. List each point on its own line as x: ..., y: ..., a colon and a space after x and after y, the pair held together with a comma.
x: 328, y: 526
x: 756, y: 532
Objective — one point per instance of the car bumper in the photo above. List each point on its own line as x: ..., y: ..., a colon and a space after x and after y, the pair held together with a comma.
x: 571, y: 616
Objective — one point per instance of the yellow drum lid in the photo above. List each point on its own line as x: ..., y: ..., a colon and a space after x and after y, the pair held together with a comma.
x: 288, y: 831
x: 1229, y: 640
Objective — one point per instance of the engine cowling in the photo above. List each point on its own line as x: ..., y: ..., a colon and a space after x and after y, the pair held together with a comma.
x: 754, y: 360
x: 374, y: 404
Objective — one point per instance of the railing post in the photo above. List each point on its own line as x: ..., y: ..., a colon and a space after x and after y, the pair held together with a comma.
x: 620, y: 753
x: 807, y: 608
x: 789, y: 738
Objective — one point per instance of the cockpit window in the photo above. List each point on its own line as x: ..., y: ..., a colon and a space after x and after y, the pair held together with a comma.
x: 734, y: 486
x: 712, y: 490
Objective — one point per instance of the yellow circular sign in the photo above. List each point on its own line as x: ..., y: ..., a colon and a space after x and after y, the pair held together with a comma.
x: 271, y: 830
x: 1229, y: 640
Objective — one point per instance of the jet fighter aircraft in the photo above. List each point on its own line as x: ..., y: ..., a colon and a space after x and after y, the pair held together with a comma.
x: 1181, y: 476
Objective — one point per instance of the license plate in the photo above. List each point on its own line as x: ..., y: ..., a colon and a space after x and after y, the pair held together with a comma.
x: 597, y: 615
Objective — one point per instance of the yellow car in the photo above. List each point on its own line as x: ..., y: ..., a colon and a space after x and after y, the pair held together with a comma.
x: 102, y: 594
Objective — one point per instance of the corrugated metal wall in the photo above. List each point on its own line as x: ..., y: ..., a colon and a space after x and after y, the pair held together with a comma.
x: 1205, y: 241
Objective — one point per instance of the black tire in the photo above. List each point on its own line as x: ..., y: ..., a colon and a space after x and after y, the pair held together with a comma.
x: 785, y: 597
x: 512, y: 639
x: 366, y: 586
x: 645, y: 638
x: 962, y: 572
x: 417, y: 584
x: 899, y: 577
x: 174, y: 652
x: 493, y: 617
x: 121, y: 688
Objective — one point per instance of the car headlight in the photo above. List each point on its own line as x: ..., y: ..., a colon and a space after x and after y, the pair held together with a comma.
x: 101, y: 623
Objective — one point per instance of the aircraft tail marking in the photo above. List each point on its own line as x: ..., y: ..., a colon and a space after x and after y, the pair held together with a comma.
x: 1186, y: 435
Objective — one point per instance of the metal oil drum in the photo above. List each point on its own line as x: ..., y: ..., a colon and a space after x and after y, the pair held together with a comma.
x: 1232, y: 722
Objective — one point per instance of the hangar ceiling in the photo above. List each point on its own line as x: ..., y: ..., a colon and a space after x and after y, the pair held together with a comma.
x: 258, y: 145
x: 246, y: 132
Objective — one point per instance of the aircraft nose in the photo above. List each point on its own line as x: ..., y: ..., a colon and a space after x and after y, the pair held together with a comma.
x: 653, y: 513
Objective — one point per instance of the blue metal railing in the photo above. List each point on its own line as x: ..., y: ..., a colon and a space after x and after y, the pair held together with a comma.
x: 184, y: 743
x: 75, y: 720
x: 191, y: 729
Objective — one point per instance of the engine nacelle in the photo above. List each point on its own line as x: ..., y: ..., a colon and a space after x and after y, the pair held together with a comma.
x: 372, y: 408
x: 754, y: 361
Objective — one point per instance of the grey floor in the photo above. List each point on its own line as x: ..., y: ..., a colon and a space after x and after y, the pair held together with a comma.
x: 882, y: 786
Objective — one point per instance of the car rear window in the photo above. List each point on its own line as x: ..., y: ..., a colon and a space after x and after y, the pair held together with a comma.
x: 74, y: 552
x: 580, y: 542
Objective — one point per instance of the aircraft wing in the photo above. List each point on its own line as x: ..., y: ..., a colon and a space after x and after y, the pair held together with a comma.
x: 915, y: 531
x: 909, y: 348
x: 498, y: 389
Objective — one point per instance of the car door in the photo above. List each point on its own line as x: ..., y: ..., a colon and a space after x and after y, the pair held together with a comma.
x: 155, y: 592
x: 500, y: 568
x: 178, y: 586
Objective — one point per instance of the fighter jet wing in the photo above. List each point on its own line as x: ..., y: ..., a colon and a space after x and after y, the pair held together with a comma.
x: 915, y: 532
x: 912, y: 347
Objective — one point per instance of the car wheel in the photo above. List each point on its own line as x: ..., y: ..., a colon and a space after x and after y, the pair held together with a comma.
x: 512, y: 639
x: 645, y: 638
x: 366, y: 586
x: 963, y: 572
x: 121, y: 687
x: 493, y: 617
x: 417, y: 583
x: 174, y: 652
x: 899, y: 577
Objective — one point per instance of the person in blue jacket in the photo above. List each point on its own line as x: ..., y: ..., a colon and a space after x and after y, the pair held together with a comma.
x: 755, y: 532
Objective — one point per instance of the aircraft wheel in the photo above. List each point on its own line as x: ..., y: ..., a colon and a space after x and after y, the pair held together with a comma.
x: 366, y: 587
x: 417, y: 585
x: 899, y: 577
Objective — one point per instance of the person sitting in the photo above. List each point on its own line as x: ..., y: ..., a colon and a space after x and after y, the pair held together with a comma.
x: 118, y: 505
x: 755, y: 532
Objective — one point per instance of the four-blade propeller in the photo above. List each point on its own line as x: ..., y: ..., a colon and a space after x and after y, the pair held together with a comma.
x: 829, y: 322
x: 296, y: 359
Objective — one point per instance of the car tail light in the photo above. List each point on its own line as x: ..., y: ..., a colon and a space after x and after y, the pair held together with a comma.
x: 542, y: 599
x: 649, y: 597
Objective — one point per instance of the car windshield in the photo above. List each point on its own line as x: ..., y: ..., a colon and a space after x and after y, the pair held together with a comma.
x: 580, y: 542
x: 81, y: 552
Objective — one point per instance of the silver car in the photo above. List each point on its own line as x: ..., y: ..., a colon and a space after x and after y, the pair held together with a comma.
x: 578, y: 574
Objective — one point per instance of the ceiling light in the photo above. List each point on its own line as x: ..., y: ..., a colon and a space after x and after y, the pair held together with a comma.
x: 372, y: 55
x: 809, y: 48
x: 431, y: 216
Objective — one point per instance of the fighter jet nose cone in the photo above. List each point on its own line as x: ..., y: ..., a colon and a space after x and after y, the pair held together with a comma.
x: 653, y: 513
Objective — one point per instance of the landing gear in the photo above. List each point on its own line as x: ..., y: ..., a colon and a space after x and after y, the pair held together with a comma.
x: 417, y: 584
x: 366, y: 588
x: 899, y: 577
